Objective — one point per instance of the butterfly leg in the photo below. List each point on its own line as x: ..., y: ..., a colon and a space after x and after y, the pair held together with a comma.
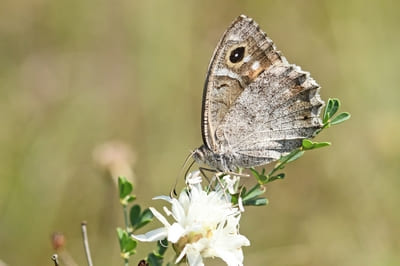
x: 237, y: 174
x: 203, y: 172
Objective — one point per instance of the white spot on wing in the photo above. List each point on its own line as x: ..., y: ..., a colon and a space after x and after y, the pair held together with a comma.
x: 247, y: 58
x: 255, y: 65
x: 228, y: 73
x: 234, y: 37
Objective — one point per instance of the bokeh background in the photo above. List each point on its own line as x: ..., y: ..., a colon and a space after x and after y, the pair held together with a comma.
x: 92, y: 88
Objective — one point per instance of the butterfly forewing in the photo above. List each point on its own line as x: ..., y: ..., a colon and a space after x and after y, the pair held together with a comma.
x: 239, y: 58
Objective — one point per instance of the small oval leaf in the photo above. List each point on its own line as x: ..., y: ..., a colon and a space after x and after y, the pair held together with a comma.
x: 321, y: 144
x: 125, y: 187
x: 331, y: 108
x: 340, y: 118
x: 296, y: 156
x: 253, y: 193
x: 307, y: 144
x: 335, y: 107
x: 134, y: 214
x: 145, y: 218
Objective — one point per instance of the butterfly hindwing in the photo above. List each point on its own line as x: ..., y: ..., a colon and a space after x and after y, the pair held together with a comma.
x: 273, y: 114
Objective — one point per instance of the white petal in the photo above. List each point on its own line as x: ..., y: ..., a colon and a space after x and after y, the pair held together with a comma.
x: 154, y: 235
x: 194, y: 258
x: 159, y: 217
x: 231, y: 183
x: 184, y: 200
x: 167, y: 212
x: 231, y: 258
x: 178, y: 211
x: 175, y: 232
x: 180, y: 257
x: 241, y: 208
x: 162, y: 197
x: 193, y: 178
x: 241, y: 240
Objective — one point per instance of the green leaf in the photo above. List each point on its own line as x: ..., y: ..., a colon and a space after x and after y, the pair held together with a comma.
x: 253, y: 193
x: 156, y: 257
x: 127, y: 243
x: 252, y: 198
x: 261, y: 178
x: 138, y: 220
x: 328, y: 106
x: 153, y: 260
x: 145, y: 218
x: 125, y: 187
x: 340, y: 118
x: 256, y: 202
x: 235, y: 198
x: 130, y: 198
x: 162, y: 247
x: 330, y: 109
x: 307, y: 144
x: 321, y: 144
x: 296, y: 156
x: 134, y: 214
x: 120, y: 233
x: 276, y: 177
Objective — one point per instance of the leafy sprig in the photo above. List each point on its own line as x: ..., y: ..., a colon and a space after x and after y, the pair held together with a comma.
x: 134, y: 220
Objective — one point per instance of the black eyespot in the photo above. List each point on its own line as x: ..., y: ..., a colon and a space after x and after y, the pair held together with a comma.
x: 237, y: 55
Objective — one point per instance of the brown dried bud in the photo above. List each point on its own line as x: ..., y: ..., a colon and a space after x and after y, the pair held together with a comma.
x: 58, y: 241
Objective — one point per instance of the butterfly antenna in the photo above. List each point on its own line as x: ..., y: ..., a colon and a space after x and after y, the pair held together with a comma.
x: 188, y: 169
x: 173, y: 191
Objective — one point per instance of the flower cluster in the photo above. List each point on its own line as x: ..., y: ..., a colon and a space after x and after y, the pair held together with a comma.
x: 206, y: 224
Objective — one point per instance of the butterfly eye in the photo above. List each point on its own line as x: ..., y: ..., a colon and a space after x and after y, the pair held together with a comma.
x: 237, y: 55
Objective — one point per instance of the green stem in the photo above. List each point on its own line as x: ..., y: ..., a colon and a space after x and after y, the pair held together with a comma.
x: 279, y: 165
x: 126, y: 219
x: 326, y: 125
x: 127, y: 228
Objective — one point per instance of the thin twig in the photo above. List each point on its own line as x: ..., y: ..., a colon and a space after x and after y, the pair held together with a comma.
x: 126, y: 219
x: 55, y: 259
x: 86, y: 243
x: 127, y: 228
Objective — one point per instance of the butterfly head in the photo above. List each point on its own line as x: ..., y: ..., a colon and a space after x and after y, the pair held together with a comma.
x: 220, y: 162
x: 199, y: 154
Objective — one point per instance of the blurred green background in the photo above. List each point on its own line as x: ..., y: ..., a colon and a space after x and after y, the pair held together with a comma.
x: 82, y: 81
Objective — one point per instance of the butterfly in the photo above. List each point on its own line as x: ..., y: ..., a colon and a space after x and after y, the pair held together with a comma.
x: 256, y: 106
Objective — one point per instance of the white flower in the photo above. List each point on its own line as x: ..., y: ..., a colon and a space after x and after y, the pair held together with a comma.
x: 206, y: 225
x: 193, y: 178
x: 230, y: 183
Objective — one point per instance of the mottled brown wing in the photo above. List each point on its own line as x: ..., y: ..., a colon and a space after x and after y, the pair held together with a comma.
x: 243, y: 53
x: 272, y: 115
x: 255, y: 104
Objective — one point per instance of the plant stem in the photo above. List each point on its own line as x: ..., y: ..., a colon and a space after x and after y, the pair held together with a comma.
x: 127, y: 227
x: 126, y: 219
x: 86, y: 243
x: 55, y: 259
x: 279, y: 165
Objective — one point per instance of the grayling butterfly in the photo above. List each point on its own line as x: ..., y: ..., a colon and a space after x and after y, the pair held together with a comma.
x: 256, y: 106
